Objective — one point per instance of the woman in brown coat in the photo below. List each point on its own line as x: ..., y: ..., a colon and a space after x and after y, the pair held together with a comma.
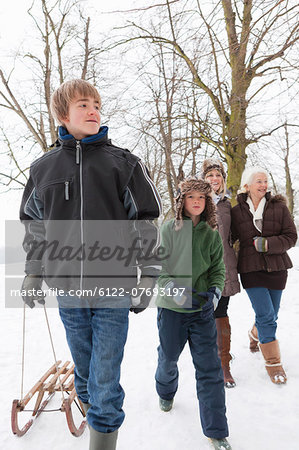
x: 265, y: 229
x: 213, y: 172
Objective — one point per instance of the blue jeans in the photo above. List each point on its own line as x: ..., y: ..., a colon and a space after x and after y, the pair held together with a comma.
x: 96, y: 338
x: 266, y: 303
x: 175, y: 329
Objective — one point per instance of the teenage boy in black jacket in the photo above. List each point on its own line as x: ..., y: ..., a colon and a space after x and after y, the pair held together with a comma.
x: 82, y: 189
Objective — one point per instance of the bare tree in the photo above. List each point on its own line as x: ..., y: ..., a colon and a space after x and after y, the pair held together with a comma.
x: 62, y: 32
x: 170, y: 140
x: 250, y: 48
x: 286, y: 151
x: 289, y: 189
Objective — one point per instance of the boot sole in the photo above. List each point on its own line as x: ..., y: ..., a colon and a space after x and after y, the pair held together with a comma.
x: 229, y: 384
x: 166, y: 408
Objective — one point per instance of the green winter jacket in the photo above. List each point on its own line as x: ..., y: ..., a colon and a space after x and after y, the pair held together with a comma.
x: 194, y: 258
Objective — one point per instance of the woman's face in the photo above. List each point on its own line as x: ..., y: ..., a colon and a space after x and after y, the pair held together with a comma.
x: 214, y: 178
x: 258, y: 186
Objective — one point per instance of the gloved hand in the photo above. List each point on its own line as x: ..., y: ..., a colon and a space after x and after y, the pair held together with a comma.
x: 32, y: 290
x: 260, y: 243
x: 183, y: 296
x: 145, y: 290
x: 212, y: 295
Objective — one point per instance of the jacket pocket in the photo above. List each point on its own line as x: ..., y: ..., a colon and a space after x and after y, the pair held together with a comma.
x: 59, y: 184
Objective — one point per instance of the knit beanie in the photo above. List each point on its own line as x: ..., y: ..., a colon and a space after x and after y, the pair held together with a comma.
x: 210, y: 164
x: 195, y: 184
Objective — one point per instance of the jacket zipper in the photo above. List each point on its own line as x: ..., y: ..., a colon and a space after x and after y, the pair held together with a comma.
x: 79, y: 161
x: 78, y: 147
x: 264, y: 257
x: 67, y: 190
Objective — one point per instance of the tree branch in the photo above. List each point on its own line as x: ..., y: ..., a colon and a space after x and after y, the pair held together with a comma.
x: 86, y: 50
x: 257, y: 138
x: 266, y: 84
x: 180, y: 52
x: 261, y: 39
x: 145, y: 8
x: 17, y: 108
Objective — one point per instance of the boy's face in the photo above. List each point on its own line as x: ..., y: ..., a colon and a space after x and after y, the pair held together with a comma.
x: 83, y: 117
x: 194, y: 203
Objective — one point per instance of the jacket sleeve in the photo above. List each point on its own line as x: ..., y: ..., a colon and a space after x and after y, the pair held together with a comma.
x: 234, y: 230
x: 143, y: 204
x: 31, y: 215
x: 167, y: 246
x: 216, y: 274
x: 287, y: 237
x: 141, y: 198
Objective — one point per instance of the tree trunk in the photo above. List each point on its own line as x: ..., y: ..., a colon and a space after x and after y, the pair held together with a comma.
x: 235, y: 167
x: 289, y: 190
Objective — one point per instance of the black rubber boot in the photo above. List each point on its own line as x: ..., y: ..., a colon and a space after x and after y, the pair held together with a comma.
x: 102, y: 441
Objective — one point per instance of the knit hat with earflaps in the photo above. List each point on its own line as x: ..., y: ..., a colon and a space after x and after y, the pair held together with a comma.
x: 195, y: 184
x: 210, y: 164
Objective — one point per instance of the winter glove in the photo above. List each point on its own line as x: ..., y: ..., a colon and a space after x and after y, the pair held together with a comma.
x: 183, y: 296
x: 32, y: 290
x: 145, y: 291
x: 261, y: 244
x: 212, y: 297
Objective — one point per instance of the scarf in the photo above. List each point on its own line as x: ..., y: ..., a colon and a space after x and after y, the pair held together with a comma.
x: 258, y: 213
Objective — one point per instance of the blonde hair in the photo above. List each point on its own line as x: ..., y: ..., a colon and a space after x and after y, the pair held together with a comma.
x: 222, y: 188
x: 247, y: 177
x: 65, y: 94
x: 210, y: 164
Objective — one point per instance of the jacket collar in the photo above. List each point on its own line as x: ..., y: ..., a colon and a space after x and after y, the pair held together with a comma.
x: 199, y: 225
x: 65, y: 137
x: 243, y: 197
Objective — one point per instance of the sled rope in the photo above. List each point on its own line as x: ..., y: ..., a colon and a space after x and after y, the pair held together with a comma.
x: 54, y: 379
x: 53, y: 350
x: 54, y: 354
x: 23, y: 353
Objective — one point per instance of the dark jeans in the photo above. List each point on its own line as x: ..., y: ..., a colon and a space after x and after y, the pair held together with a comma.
x: 96, y: 338
x: 221, y: 310
x: 175, y: 329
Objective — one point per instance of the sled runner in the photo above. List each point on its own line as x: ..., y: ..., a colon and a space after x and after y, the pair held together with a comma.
x: 49, y: 384
x: 59, y: 378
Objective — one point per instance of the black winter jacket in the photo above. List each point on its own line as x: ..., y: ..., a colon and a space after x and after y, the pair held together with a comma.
x: 78, y: 183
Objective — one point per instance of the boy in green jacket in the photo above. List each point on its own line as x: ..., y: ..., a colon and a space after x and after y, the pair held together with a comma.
x: 186, y: 304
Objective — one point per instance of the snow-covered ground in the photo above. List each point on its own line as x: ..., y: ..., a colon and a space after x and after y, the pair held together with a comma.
x: 261, y: 416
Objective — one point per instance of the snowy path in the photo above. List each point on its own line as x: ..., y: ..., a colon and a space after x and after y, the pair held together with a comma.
x: 261, y: 415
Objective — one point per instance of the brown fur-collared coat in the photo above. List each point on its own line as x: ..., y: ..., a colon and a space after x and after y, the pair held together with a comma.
x: 278, y: 228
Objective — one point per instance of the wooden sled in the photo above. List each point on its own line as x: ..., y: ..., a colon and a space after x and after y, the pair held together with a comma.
x: 50, y: 386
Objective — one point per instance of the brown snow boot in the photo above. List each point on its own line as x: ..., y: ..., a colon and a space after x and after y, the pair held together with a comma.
x: 223, y: 342
x: 271, y: 354
x: 253, y: 339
